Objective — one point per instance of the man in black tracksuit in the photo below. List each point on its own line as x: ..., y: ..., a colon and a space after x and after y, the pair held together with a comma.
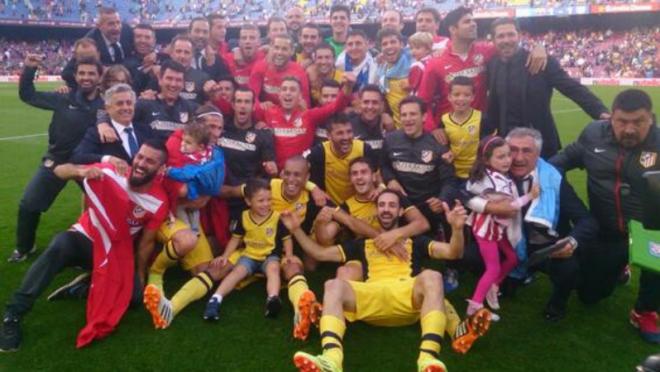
x: 73, y: 113
x: 412, y: 163
x: 615, y: 155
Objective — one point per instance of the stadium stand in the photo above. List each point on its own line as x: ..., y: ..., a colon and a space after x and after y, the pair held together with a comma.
x: 585, y: 53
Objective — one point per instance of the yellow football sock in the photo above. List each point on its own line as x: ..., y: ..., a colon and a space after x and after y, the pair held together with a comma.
x: 433, y: 327
x: 193, y: 290
x: 453, y: 319
x: 297, y: 286
x: 165, y: 259
x: 332, y: 333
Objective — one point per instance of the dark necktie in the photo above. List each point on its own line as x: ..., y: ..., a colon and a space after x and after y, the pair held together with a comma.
x: 118, y: 55
x: 132, y: 142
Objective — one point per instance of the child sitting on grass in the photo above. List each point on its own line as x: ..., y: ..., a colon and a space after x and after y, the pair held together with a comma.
x: 265, y: 239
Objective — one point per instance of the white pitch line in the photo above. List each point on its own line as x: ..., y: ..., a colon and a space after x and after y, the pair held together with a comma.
x: 22, y: 137
x: 566, y: 111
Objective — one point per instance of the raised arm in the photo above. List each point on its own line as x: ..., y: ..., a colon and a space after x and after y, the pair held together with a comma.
x: 454, y: 249
x: 29, y: 94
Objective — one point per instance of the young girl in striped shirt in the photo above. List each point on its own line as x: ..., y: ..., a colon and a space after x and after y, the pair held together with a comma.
x: 489, y: 179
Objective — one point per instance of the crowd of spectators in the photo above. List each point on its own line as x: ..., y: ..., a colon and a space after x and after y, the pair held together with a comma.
x: 256, y: 10
x: 585, y: 53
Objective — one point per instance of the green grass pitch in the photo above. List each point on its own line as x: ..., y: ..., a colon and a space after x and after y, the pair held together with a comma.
x: 596, y: 338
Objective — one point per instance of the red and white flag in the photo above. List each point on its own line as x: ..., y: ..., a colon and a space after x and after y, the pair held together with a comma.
x: 109, y: 204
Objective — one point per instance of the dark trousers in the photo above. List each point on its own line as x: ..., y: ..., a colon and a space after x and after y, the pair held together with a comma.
x: 38, y: 196
x: 602, y: 265
x: 69, y: 248
x: 564, y: 274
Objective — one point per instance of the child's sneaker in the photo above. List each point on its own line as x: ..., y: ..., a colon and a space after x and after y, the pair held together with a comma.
x: 273, y: 306
x: 212, y: 309
x: 492, y: 297
x: 473, y: 307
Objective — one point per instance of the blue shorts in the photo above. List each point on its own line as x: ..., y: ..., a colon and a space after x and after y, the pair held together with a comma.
x: 254, y: 266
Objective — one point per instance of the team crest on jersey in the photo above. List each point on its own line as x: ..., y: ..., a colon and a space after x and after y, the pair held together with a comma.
x: 269, y: 231
x: 138, y: 212
x: 478, y: 59
x: 298, y: 122
x: 299, y: 207
x: 471, y: 129
x: 250, y: 137
x: 647, y: 159
x: 183, y: 116
x: 189, y: 86
x: 427, y: 156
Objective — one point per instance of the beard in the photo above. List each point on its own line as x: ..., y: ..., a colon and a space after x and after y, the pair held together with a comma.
x: 135, y: 180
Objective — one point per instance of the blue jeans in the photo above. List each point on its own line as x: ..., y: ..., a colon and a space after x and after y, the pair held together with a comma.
x: 252, y: 266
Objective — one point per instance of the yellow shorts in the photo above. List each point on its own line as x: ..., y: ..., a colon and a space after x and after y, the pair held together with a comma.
x: 199, y: 255
x: 385, y: 303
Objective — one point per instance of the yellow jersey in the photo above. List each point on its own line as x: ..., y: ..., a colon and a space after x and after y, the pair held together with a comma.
x: 377, y: 266
x: 329, y: 171
x: 304, y: 205
x: 261, y: 239
x: 315, y: 87
x: 463, y: 141
x: 398, y: 90
x: 362, y: 210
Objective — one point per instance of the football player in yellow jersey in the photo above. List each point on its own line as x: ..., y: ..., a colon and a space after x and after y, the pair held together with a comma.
x: 362, y: 206
x: 329, y: 160
x: 265, y: 239
x: 290, y: 194
x: 463, y: 127
x: 396, y: 291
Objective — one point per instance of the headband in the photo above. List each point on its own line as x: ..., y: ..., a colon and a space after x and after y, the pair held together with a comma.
x: 483, y: 150
x: 211, y: 113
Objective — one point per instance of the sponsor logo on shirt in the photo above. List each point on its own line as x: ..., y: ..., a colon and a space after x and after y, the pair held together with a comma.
x: 242, y: 80
x: 375, y: 144
x: 404, y: 166
x: 189, y: 96
x: 165, y: 125
x: 236, y: 145
x: 471, y: 72
x: 289, y: 132
x: 271, y: 89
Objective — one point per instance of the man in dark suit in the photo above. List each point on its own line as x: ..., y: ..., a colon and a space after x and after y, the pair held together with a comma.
x: 120, y: 106
x: 574, y: 223
x: 114, y: 40
x: 519, y: 99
